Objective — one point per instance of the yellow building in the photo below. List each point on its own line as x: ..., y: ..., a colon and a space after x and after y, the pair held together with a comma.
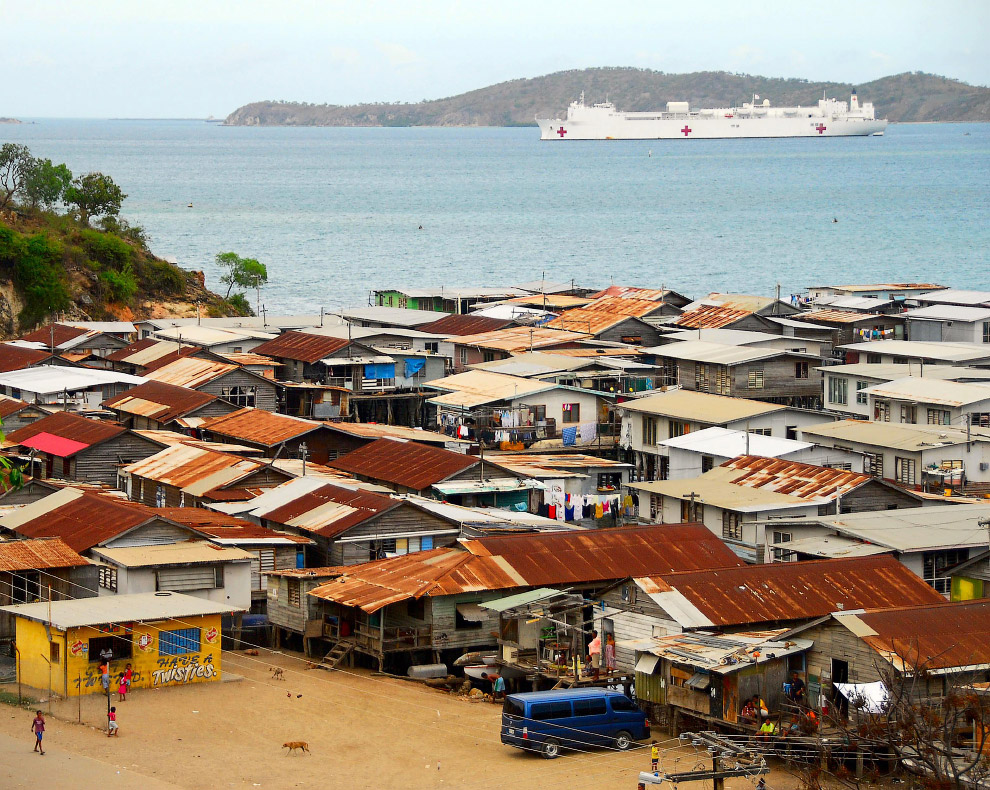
x: 169, y: 639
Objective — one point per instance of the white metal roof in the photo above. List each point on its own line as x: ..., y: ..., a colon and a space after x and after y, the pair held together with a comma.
x: 719, y: 353
x: 51, y: 379
x: 950, y: 312
x: 207, y: 336
x: 729, y: 443
x: 392, y: 315
x: 915, y: 529
x: 925, y: 390
x: 728, y: 337
x: 699, y: 406
x: 135, y: 607
x: 920, y: 349
x: 510, y: 312
x: 955, y: 296
x: 889, y: 371
x: 833, y: 546
x: 115, y: 327
x: 896, y: 436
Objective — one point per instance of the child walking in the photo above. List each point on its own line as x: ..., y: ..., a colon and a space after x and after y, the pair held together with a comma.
x: 38, y: 728
x: 112, y: 723
x: 654, y: 756
x: 122, y: 687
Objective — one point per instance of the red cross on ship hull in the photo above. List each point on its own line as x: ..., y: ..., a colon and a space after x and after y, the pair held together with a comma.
x: 686, y: 130
x: 561, y: 131
x: 820, y: 128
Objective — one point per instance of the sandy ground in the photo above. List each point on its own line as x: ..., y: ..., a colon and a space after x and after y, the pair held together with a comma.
x: 363, y: 731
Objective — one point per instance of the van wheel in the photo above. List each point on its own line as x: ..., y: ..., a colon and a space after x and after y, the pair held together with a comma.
x: 623, y: 740
x: 551, y: 749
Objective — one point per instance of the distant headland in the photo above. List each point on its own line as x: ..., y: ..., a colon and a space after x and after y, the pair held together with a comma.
x: 908, y: 97
x: 10, y: 120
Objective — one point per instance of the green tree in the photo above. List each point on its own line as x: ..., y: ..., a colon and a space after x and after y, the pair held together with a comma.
x: 242, y: 272
x: 45, y: 183
x: 95, y: 194
x: 15, y: 160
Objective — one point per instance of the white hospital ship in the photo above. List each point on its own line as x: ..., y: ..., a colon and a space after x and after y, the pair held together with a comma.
x: 830, y: 118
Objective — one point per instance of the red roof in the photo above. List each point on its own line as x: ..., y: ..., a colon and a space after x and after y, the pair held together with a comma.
x: 784, y: 591
x: 224, y: 527
x: 549, y: 558
x: 464, y: 325
x: 259, y: 426
x: 22, y: 555
x: 63, y: 425
x: 301, y: 346
x: 17, y: 357
x: 54, y: 445
x: 408, y: 464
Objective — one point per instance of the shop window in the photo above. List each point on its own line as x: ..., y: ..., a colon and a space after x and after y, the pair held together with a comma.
x: 178, y: 643
x: 571, y: 412
x: 121, y: 646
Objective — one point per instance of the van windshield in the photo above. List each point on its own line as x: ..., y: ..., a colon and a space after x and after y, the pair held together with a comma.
x: 513, y: 707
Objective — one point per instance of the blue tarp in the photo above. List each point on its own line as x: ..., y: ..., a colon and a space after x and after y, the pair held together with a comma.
x: 569, y: 435
x: 384, y: 371
x: 413, y: 366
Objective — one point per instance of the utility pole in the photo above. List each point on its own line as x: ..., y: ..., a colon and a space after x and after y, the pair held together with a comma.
x: 303, y: 449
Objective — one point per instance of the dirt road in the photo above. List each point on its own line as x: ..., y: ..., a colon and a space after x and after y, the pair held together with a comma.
x: 363, y: 732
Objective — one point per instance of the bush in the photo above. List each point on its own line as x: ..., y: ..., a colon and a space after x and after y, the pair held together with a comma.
x: 162, y: 278
x: 36, y: 274
x: 11, y: 246
x: 107, y: 249
x: 119, y: 286
x: 240, y: 303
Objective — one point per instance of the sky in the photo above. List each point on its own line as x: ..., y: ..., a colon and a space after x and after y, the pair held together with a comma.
x: 196, y: 58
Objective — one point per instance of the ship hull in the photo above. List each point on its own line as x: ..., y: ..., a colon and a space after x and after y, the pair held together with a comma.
x: 617, y: 127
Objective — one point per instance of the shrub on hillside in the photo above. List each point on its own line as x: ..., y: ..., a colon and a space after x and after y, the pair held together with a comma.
x: 37, y: 276
x: 105, y: 248
x: 119, y: 286
x: 161, y: 278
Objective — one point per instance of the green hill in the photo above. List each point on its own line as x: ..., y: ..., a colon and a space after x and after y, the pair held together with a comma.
x: 902, y: 97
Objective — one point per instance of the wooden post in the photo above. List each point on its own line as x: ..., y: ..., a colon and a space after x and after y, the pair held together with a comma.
x: 79, y: 699
x: 719, y: 782
x: 859, y: 761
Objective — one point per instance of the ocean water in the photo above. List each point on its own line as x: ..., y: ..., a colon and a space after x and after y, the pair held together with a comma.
x: 335, y: 213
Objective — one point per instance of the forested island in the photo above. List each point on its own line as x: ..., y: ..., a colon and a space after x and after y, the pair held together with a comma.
x: 908, y: 97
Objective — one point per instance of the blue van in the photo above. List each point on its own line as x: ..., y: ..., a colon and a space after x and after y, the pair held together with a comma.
x: 549, y: 721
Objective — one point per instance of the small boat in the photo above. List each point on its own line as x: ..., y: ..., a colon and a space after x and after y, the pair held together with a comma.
x: 878, y: 134
x: 189, y: 206
x: 477, y: 670
x: 477, y: 657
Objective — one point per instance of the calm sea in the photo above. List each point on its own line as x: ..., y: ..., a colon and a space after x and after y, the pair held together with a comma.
x: 335, y: 213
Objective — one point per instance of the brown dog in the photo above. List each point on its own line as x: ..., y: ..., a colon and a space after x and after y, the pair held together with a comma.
x: 293, y: 745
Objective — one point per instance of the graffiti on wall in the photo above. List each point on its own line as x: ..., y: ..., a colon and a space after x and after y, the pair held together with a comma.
x: 91, y: 676
x: 182, y: 669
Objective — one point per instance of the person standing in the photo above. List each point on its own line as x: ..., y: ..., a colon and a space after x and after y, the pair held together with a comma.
x: 112, y: 722
x: 609, y: 653
x: 122, y: 687
x: 499, y: 688
x: 105, y: 675
x: 595, y: 654
x: 796, y: 691
x: 654, y: 756
x: 38, y: 728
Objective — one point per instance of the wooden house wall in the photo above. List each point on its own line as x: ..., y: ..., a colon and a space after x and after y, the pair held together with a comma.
x: 649, y: 335
x: 62, y: 589
x: 293, y: 618
x: 13, y: 422
x: 400, y: 521
x: 876, y: 496
x: 266, y: 397
x: 99, y: 463
x: 156, y: 532
x: 832, y: 640
x: 442, y: 613
x: 640, y: 619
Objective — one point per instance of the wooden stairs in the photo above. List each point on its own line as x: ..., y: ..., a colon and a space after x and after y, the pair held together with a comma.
x: 338, y: 652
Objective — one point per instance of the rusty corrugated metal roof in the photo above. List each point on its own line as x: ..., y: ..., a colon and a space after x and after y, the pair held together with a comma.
x: 632, y: 292
x: 224, y: 527
x: 804, y: 481
x: 193, y: 469
x: 837, y: 317
x: 161, y: 401
x: 464, y: 325
x: 302, y: 347
x: 67, y: 426
x: 519, y: 338
x: 589, y: 320
x: 593, y: 555
x: 330, y: 510
x: 710, y: 317
x: 82, y: 519
x: 10, y: 405
x: 22, y: 555
x: 189, y: 371
x: 784, y: 591
x: 377, y: 430
x: 17, y: 357
x: 934, y: 637
x: 258, y: 426
x: 374, y: 585
x: 408, y: 464
x: 60, y: 332
x: 150, y: 353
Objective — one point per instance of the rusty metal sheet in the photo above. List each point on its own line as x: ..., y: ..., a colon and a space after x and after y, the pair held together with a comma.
x: 10, y: 405
x: 591, y: 321
x: 593, y: 555
x: 301, y: 347
x: 189, y: 371
x: 17, y: 357
x: 310, y: 511
x: 82, y: 519
x: 464, y: 325
x: 184, y: 466
x: 67, y: 426
x: 224, y: 527
x: 519, y: 338
x: 632, y: 292
x: 258, y: 426
x: 785, y: 591
x: 21, y: 555
x: 838, y: 317
x: 60, y: 332
x: 163, y: 402
x: 407, y: 464
x: 711, y: 317
x: 804, y: 481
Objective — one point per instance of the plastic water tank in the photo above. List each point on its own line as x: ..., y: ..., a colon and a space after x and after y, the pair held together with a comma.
x: 424, y: 671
